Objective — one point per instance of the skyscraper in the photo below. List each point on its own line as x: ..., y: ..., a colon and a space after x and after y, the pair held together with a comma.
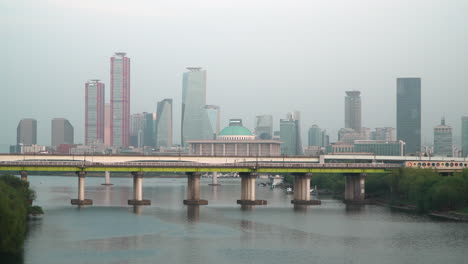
x: 107, y: 124
x: 26, y: 132
x: 443, y: 140
x: 464, y: 136
x: 290, y: 134
x: 62, y: 132
x: 195, y: 122
x: 148, y: 130
x: 164, y: 124
x: 409, y: 113
x: 214, y: 117
x: 315, y: 136
x: 353, y: 110
x: 264, y: 127
x: 137, y: 126
x: 94, y: 112
x: 120, y: 100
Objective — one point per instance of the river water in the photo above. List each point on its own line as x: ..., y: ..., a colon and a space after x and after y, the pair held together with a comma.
x: 110, y: 231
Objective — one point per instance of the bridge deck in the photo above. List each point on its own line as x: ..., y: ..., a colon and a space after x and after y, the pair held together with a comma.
x: 197, y: 167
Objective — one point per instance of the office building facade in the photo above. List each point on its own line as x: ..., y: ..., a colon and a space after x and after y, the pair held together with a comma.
x: 120, y: 100
x: 214, y: 116
x: 464, y: 136
x: 443, y: 140
x: 264, y: 127
x: 290, y: 135
x: 195, y: 123
x: 26, y: 132
x: 383, y: 133
x: 315, y: 136
x: 353, y: 110
x: 409, y: 113
x: 94, y: 112
x: 62, y: 132
x: 137, y: 126
x: 164, y: 124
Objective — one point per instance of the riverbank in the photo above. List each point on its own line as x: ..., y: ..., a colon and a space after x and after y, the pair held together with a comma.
x: 445, y: 215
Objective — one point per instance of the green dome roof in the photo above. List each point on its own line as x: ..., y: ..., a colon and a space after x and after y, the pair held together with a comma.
x: 235, y: 131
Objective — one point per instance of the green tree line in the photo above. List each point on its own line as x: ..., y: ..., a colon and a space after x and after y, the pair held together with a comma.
x: 424, y: 188
x: 15, y: 204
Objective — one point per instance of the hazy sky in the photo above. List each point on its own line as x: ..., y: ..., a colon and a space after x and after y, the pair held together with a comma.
x: 261, y: 57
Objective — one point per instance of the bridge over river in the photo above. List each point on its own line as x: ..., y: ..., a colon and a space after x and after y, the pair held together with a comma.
x: 355, y: 168
x: 248, y: 171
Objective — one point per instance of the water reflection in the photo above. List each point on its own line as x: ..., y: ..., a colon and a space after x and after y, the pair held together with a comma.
x: 245, y: 207
x: 137, y: 209
x: 299, y: 208
x: 167, y: 232
x: 193, y: 213
x: 354, y: 208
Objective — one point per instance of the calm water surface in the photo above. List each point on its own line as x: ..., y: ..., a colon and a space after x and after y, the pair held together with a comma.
x: 110, y: 231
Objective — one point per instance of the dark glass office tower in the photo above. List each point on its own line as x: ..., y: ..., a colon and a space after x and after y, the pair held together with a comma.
x: 409, y: 113
x: 353, y: 110
x: 464, y: 134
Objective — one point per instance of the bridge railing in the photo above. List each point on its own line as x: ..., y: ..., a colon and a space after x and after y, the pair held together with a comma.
x: 252, y: 165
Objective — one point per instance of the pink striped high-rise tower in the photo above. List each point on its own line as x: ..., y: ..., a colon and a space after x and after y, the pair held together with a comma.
x: 120, y: 100
x: 94, y: 112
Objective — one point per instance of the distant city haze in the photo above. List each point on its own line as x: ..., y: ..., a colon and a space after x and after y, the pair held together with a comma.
x: 261, y: 58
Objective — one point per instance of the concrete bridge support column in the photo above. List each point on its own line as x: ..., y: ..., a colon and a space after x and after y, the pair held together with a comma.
x: 107, y: 179
x: 193, y: 189
x: 248, y: 190
x: 215, y: 180
x: 302, y: 190
x: 24, y: 175
x: 138, y: 190
x: 355, y: 184
x: 81, y: 190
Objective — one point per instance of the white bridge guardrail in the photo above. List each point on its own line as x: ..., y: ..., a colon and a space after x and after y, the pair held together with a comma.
x: 253, y: 165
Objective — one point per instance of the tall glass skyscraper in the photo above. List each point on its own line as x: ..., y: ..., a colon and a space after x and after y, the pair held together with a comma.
x: 214, y: 116
x: 62, y: 132
x: 443, y: 140
x: 164, y: 124
x: 353, y: 110
x: 195, y: 122
x: 26, y: 132
x: 120, y: 100
x: 137, y: 126
x: 315, y: 136
x: 264, y: 127
x: 290, y: 134
x: 464, y: 135
x: 94, y: 112
x: 409, y: 113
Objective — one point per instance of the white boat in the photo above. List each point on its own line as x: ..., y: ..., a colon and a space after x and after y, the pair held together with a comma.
x: 289, y: 190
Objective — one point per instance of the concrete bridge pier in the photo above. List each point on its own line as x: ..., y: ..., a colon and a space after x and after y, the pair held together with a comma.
x: 302, y: 190
x: 355, y: 184
x: 193, y: 189
x: 107, y: 179
x: 24, y: 175
x: 138, y: 190
x: 248, y: 190
x: 81, y: 190
x: 215, y: 180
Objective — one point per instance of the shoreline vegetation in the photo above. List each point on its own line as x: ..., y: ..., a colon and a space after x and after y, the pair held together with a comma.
x: 422, y: 191
x: 15, y: 209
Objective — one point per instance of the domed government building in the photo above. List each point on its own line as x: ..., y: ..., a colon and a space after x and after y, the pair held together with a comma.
x: 235, y: 140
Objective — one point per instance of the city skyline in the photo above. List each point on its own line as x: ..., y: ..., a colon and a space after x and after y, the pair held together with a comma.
x: 98, y: 95
x: 382, y: 54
